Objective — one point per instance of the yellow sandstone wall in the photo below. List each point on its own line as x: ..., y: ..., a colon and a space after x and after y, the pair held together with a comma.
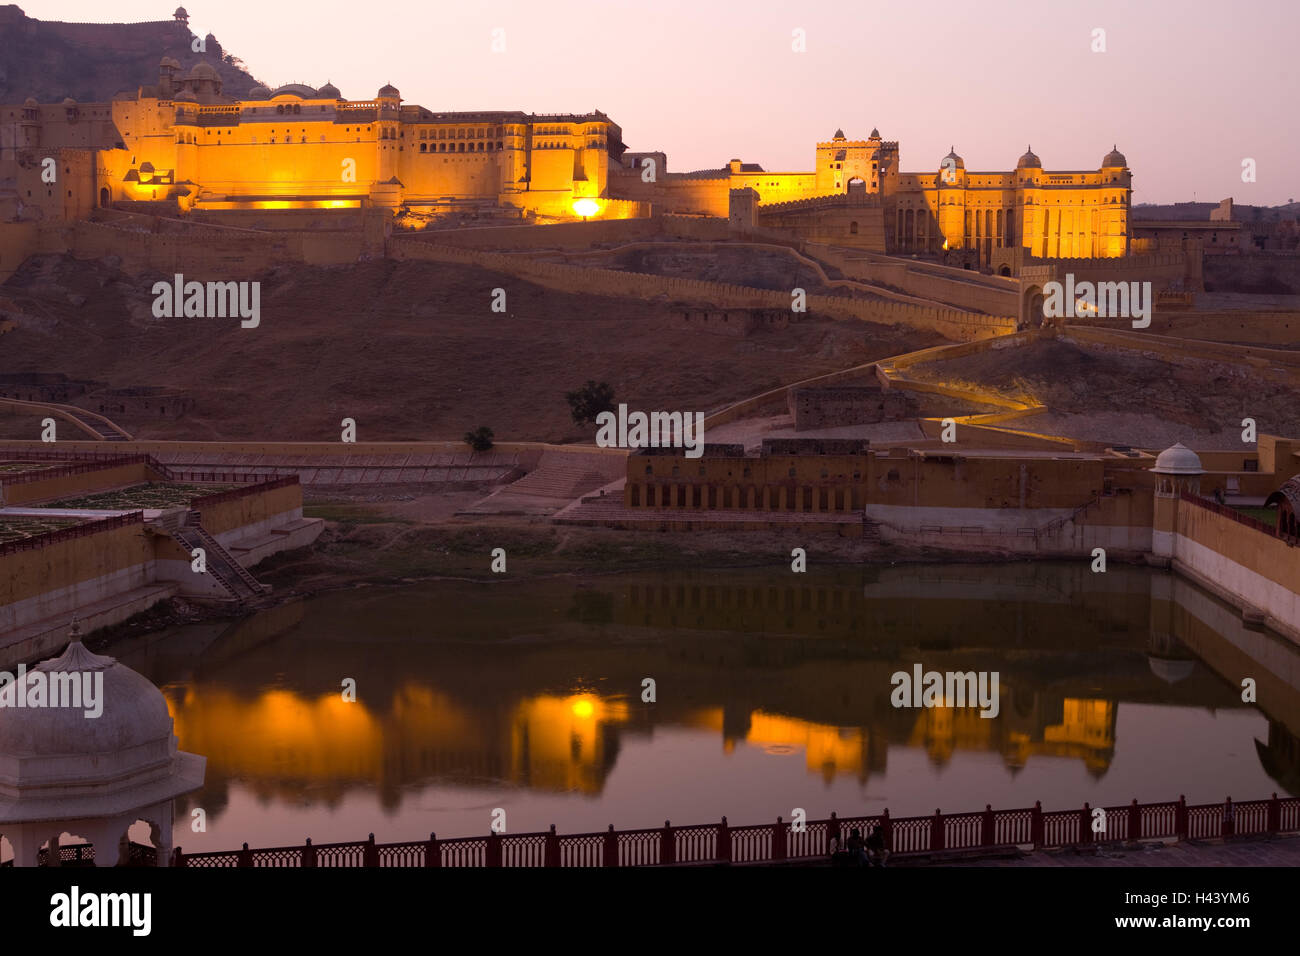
x: 74, y: 481
x: 254, y: 506
x: 32, y: 573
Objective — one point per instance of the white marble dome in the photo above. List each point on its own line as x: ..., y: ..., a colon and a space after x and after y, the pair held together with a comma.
x: 1178, y: 460
x: 59, y: 761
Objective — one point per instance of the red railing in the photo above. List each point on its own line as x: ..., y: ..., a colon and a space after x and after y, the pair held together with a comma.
x: 23, y: 477
x: 256, y: 485
x: 48, y: 538
x: 96, y: 460
x: 720, y: 843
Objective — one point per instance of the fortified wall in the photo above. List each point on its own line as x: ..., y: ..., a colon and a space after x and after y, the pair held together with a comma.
x: 952, y: 323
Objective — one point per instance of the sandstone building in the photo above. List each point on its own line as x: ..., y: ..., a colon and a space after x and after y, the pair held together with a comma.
x: 182, y: 142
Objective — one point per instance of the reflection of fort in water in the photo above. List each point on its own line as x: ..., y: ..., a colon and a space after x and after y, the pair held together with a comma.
x: 799, y: 665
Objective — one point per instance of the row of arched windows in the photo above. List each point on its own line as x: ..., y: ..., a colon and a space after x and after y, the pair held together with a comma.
x: 462, y: 133
x: 473, y: 147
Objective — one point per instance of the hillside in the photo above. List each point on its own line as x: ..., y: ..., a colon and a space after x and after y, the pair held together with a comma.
x: 410, y: 350
x: 91, y: 62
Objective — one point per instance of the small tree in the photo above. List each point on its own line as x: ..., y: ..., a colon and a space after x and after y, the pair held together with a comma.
x: 480, y: 439
x: 590, y: 400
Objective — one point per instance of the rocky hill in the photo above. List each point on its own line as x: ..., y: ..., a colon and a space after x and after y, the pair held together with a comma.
x: 91, y: 62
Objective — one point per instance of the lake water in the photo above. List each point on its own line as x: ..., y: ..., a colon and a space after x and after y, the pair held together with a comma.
x: 772, y: 691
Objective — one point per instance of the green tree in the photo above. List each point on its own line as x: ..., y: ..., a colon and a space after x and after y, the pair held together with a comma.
x: 480, y: 439
x: 590, y: 400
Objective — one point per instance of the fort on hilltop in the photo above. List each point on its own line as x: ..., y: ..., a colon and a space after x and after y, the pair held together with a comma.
x: 187, y: 141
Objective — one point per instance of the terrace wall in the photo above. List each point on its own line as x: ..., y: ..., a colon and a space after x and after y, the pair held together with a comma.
x: 245, y: 510
x: 72, y: 481
x: 218, y: 254
x: 1253, y: 567
x: 56, y: 575
x: 960, y: 288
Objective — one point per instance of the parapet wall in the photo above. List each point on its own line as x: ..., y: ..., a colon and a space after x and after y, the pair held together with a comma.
x: 572, y: 235
x: 114, y: 548
x: 956, y: 287
x: 953, y: 323
x: 1257, y: 569
x: 241, y: 507
x: 225, y: 254
x: 67, y: 481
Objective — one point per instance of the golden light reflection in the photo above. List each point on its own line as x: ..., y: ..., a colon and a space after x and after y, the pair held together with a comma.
x: 586, y: 208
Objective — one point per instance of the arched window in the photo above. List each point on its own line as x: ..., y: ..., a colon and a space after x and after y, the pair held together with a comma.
x: 424, y: 147
x: 853, y: 228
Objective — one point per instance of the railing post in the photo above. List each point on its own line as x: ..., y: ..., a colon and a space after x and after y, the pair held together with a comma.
x: 724, y: 841
x: 936, y: 831
x: 432, y: 852
x: 1229, y: 820
x: 551, y: 856
x: 986, y: 826
x: 833, y: 833
x: 667, y: 845
x: 369, y: 854
x: 780, y: 849
x: 178, y: 858
x: 1180, y: 818
x: 1036, y: 824
x: 887, y: 830
x: 1085, y: 824
x: 492, y: 852
x: 1274, y: 814
x: 611, y: 847
x: 308, y: 854
x: 1134, y: 821
x: 245, y: 857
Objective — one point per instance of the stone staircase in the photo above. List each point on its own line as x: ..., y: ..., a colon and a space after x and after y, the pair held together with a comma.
x: 232, y: 576
x: 563, y: 479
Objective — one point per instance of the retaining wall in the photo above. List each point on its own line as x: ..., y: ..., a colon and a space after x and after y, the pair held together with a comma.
x: 952, y: 323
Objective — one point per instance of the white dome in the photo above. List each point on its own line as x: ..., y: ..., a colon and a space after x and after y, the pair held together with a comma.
x: 58, y: 761
x: 1178, y: 460
x: 1171, y: 671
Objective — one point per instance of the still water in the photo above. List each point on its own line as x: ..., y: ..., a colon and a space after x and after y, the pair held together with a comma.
x: 772, y: 692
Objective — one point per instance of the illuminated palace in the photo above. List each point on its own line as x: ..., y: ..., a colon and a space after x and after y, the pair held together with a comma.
x: 182, y: 142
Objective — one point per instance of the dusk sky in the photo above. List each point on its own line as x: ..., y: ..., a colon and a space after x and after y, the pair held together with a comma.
x: 1186, y: 89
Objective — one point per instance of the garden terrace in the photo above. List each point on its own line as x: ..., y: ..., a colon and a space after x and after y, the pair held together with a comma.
x: 151, y: 495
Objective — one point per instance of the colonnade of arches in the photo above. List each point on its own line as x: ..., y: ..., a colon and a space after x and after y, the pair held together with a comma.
x: 745, y: 497
x: 54, y: 843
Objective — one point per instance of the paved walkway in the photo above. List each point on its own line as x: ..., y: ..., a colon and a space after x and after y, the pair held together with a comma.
x: 1282, y: 851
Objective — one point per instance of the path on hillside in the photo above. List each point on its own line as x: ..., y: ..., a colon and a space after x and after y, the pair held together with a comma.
x: 92, y: 423
x: 801, y: 258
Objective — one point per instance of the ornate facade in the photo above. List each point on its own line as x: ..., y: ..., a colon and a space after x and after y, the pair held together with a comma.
x: 182, y: 141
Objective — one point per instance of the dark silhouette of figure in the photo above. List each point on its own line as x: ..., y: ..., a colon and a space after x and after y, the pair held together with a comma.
x: 877, y: 852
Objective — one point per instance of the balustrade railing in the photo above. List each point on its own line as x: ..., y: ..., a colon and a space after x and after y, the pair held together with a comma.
x: 721, y: 843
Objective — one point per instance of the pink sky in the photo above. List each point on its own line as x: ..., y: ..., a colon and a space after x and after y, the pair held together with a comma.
x: 1186, y: 88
